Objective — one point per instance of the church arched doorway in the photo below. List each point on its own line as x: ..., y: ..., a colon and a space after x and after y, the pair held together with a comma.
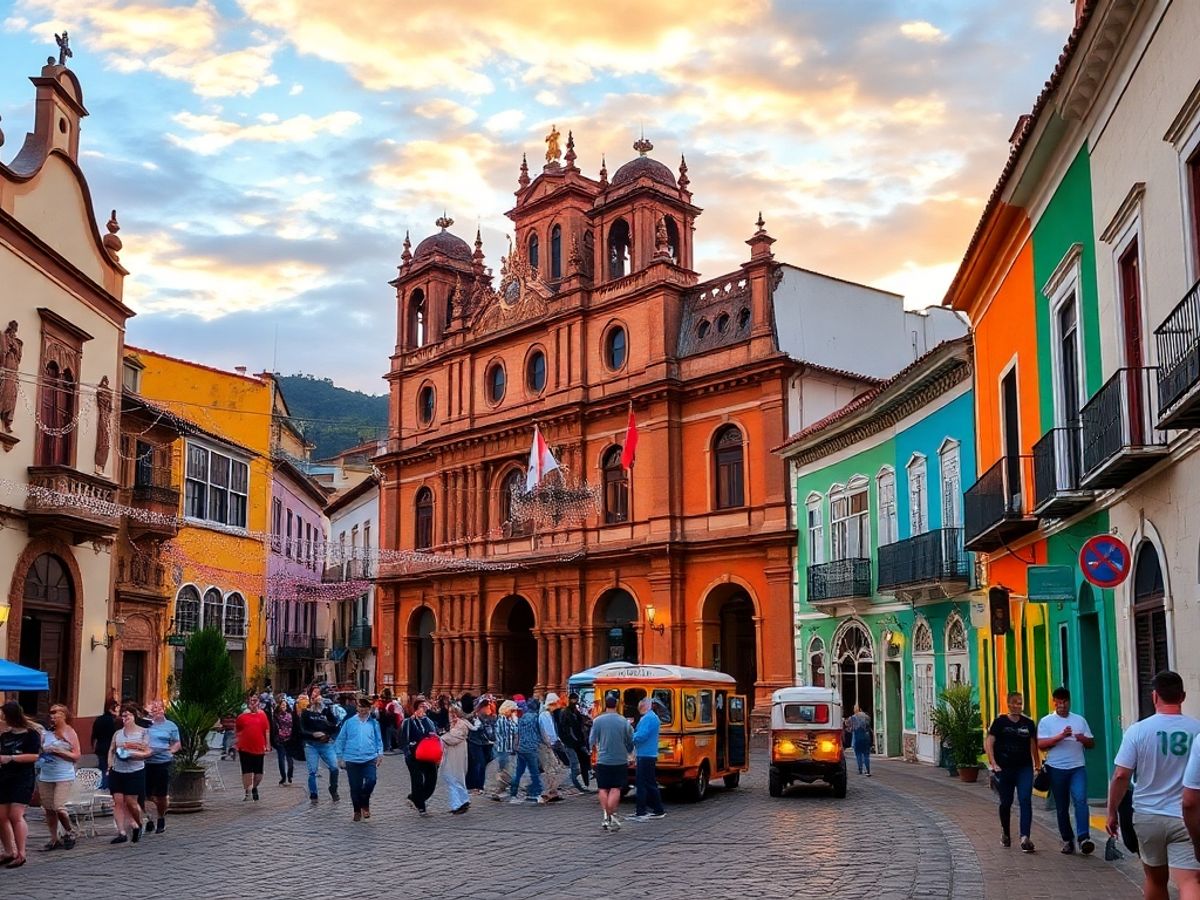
x: 47, y: 608
x: 420, y: 651
x: 731, y: 636
x: 615, y: 622
x: 513, y: 623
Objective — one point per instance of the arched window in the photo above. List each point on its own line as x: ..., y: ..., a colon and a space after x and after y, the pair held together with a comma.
x: 235, y: 616
x: 620, y: 249
x: 743, y: 319
x: 616, y: 487
x: 727, y: 448
x: 816, y: 529
x: 556, y: 252
x: 187, y: 610
x: 918, y: 495
x: 889, y: 531
x: 922, y: 637
x: 722, y: 323
x: 426, y: 402
x: 511, y: 488
x: 497, y: 381
x: 855, y: 658
x: 533, y: 250
x: 615, y: 346
x: 816, y: 662
x: 673, y: 239
x: 214, y: 609
x: 417, y: 321
x: 1151, y: 650
x: 57, y: 411
x: 849, y: 530
x: 423, y: 536
x: 535, y: 372
x: 951, y: 478
x: 702, y: 329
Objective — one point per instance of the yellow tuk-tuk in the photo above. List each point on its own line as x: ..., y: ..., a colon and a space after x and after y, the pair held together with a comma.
x: 806, y: 739
x: 704, y: 723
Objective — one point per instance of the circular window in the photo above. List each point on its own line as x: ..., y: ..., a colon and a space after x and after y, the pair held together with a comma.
x: 743, y: 319
x: 535, y: 371
x: 496, y: 382
x: 614, y: 347
x: 722, y: 323
x: 425, y: 404
x: 702, y: 329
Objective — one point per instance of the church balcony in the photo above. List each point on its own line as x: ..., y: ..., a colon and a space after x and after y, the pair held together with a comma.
x: 63, y: 499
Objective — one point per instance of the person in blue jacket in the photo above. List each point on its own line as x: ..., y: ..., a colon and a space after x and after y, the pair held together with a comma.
x: 645, y: 747
x: 359, y: 749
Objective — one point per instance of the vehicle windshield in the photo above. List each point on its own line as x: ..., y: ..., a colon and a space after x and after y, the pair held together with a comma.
x: 806, y: 713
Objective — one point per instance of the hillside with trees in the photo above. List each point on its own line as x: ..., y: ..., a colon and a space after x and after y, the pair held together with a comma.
x: 331, y: 417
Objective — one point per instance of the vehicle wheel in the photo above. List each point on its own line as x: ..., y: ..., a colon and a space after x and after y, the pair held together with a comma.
x: 698, y: 789
x: 775, y: 784
x: 732, y: 780
x: 839, y: 787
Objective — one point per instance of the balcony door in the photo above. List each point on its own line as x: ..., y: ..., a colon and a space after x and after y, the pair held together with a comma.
x: 1132, y: 340
x: 923, y: 690
x: 1010, y: 422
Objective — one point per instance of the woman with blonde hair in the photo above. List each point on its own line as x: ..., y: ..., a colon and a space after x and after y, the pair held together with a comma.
x: 127, y: 775
x: 60, y: 753
x: 454, y: 761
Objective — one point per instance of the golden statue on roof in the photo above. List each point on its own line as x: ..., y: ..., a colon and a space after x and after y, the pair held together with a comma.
x: 553, y: 151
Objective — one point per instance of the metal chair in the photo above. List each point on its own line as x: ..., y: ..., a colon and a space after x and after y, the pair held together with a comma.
x: 81, y: 807
x: 212, y: 774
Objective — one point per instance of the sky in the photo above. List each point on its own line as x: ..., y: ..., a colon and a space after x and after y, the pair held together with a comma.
x: 266, y: 157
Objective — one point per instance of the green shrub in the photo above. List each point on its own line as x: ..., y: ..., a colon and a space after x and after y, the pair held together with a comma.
x: 956, y: 718
x: 209, y: 688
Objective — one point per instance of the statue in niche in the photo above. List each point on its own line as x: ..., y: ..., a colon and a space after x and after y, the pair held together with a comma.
x: 104, y: 405
x: 10, y: 365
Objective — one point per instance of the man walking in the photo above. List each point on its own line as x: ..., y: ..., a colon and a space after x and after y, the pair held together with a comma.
x: 612, y: 739
x: 1012, y: 752
x: 506, y: 747
x: 551, y: 747
x: 253, y: 730
x: 1155, y: 752
x: 573, y: 731
x: 529, y: 743
x: 359, y: 748
x: 645, y: 746
x: 1064, y: 736
x: 318, y: 727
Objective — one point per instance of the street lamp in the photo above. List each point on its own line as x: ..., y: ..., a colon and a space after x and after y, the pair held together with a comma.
x: 112, y: 631
x: 5, y: 609
x: 660, y: 628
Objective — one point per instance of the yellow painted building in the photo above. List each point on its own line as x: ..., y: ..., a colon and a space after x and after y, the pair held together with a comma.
x: 223, y: 470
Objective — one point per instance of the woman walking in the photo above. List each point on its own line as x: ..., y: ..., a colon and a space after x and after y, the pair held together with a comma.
x: 60, y: 752
x: 416, y: 728
x: 127, y: 775
x: 19, y: 748
x: 454, y: 761
x: 479, y: 744
x: 282, y: 723
x: 860, y: 731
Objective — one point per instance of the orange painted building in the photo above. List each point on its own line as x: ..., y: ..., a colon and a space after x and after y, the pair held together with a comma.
x: 685, y: 559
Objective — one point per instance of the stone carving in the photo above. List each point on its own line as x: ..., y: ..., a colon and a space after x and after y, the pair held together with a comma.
x: 104, y: 406
x: 112, y: 243
x: 662, y: 241
x: 64, y: 47
x: 10, y: 364
x: 553, y: 151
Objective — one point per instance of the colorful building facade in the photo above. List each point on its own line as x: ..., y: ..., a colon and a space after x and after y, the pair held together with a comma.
x: 882, y: 612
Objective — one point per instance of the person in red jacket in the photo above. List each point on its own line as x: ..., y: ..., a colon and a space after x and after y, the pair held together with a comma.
x: 253, y: 738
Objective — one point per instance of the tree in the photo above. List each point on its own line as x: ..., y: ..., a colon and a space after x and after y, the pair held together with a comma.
x: 209, y: 688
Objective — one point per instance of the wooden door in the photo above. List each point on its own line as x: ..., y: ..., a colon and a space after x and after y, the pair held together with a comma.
x: 1131, y: 317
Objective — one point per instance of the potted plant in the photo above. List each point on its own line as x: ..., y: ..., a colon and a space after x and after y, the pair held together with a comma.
x: 209, y: 688
x: 956, y: 717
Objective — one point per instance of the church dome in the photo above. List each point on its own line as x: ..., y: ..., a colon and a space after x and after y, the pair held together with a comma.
x: 643, y: 165
x: 444, y: 242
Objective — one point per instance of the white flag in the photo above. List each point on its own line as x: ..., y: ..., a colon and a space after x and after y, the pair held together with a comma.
x: 541, y: 461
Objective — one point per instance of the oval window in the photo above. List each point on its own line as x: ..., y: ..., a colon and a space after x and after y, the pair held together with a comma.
x: 425, y: 404
x: 743, y: 318
x: 535, y: 372
x: 496, y: 381
x: 722, y: 323
x: 702, y: 329
x: 614, y: 347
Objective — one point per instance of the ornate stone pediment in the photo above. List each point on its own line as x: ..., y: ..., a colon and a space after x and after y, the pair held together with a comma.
x: 520, y: 296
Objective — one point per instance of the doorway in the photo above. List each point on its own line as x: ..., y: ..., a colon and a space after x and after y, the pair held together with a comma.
x: 856, y: 669
x: 513, y: 620
x: 615, y: 626
x: 133, y: 675
x: 1009, y: 411
x: 1131, y: 321
x: 893, y: 712
x: 47, y: 608
x: 731, y: 637
x: 1151, y: 650
x: 1091, y: 654
x: 923, y: 690
x: 420, y: 654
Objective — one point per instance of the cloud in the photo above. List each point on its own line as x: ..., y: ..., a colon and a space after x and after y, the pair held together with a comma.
x: 508, y: 120
x: 213, y: 134
x: 926, y: 32
x: 295, y: 90
x: 446, y: 109
x: 427, y: 175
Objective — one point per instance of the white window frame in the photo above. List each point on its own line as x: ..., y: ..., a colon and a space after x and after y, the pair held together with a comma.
x: 918, y: 512
x: 1064, y: 285
x: 1184, y: 136
x: 951, y: 448
x: 842, y: 527
x: 209, y: 486
x: 887, y: 525
x: 815, y: 528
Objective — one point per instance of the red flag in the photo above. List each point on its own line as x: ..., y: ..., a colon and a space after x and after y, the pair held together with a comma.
x: 629, y: 451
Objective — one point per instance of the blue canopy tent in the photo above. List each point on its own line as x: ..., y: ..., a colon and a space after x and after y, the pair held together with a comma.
x: 14, y: 677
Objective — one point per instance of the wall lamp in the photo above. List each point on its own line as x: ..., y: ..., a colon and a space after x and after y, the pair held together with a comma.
x: 112, y: 631
x: 660, y: 628
x: 5, y: 609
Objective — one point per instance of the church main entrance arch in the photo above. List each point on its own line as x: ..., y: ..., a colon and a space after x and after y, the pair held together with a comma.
x: 615, y: 627
x: 512, y: 624
x: 420, y: 651
x: 731, y: 638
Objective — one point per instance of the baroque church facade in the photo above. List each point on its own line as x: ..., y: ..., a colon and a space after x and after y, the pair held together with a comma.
x: 686, y: 557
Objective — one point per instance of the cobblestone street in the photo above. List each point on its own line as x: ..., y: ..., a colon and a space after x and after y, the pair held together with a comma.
x: 907, y: 832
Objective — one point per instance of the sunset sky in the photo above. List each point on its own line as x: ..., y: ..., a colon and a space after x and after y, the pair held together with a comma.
x: 266, y: 156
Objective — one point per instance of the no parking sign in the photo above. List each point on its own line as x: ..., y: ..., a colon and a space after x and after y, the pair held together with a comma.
x: 1104, y: 560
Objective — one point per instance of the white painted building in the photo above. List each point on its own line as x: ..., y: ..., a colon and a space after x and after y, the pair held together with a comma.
x: 354, y: 544
x: 1144, y: 143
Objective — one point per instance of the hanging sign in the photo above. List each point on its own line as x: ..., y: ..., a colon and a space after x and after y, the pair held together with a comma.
x: 1105, y: 560
x: 1051, y: 584
x: 979, y: 613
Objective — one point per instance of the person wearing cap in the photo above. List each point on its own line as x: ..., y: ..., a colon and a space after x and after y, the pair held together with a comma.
x: 572, y: 728
x: 505, y: 732
x: 359, y: 748
x: 529, y: 741
x: 645, y: 746
x: 612, y: 739
x: 552, y: 746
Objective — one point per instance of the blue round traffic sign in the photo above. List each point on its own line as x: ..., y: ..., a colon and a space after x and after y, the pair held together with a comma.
x: 1104, y: 560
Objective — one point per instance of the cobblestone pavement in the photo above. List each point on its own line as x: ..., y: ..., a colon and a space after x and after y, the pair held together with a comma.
x: 907, y: 832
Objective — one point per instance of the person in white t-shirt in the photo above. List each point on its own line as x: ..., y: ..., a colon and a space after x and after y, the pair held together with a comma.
x: 1191, y: 798
x: 1063, y: 736
x: 1155, y: 753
